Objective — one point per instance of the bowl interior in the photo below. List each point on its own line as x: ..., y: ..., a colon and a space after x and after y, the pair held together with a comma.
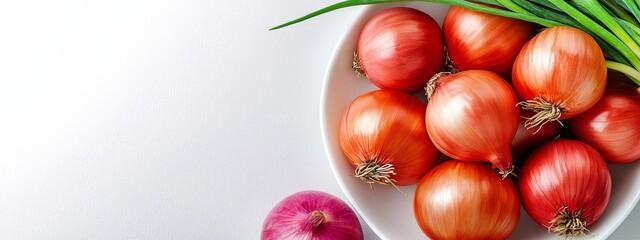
x: 390, y: 213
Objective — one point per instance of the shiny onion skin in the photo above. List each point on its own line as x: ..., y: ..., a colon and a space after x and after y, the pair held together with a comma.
x: 311, y: 215
x: 466, y: 200
x: 612, y: 126
x: 565, y: 183
x: 481, y: 41
x: 527, y: 140
x: 472, y: 116
x: 559, y: 73
x: 400, y: 48
x: 382, y: 135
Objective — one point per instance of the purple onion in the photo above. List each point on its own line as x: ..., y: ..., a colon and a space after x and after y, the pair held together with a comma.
x: 311, y: 215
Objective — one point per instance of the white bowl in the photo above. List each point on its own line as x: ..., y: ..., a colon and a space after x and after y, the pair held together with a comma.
x: 389, y: 213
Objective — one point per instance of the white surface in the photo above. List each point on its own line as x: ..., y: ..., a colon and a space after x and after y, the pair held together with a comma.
x: 162, y: 119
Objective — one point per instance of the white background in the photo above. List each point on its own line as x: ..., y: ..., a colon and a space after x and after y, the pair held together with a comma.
x: 162, y: 119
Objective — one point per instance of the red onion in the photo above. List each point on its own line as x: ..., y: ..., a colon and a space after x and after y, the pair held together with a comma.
x: 483, y: 41
x: 466, y: 200
x: 382, y: 134
x: 559, y: 74
x: 472, y: 116
x: 400, y: 48
x: 565, y: 186
x: 612, y: 126
x: 311, y: 215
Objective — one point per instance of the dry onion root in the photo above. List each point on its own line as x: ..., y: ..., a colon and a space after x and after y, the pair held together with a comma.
x: 568, y: 224
x: 545, y: 112
x: 372, y: 172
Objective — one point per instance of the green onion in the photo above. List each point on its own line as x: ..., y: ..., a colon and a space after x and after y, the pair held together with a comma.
x: 633, y: 30
x: 513, y: 7
x: 633, y: 74
x: 616, y: 10
x: 631, y: 7
x: 462, y: 3
x: 596, y: 9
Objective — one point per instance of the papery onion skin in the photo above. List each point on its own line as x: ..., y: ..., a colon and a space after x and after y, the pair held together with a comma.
x: 293, y: 218
x: 472, y: 116
x: 482, y: 41
x: 387, y: 127
x: 565, y: 175
x: 528, y: 140
x: 563, y: 66
x: 400, y: 48
x: 612, y: 126
x: 466, y: 200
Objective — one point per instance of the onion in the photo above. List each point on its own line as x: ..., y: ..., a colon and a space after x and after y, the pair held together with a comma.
x: 382, y: 135
x: 466, y: 200
x: 612, y: 126
x: 311, y: 215
x: 400, y: 48
x: 527, y: 140
x: 472, y: 116
x: 565, y: 186
x: 559, y: 74
x: 484, y: 41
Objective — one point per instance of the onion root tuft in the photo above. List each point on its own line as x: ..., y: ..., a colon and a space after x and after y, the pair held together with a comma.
x: 568, y: 224
x: 357, y: 66
x: 372, y: 172
x: 506, y: 173
x: 544, y: 112
x: 449, y: 66
x: 431, y: 85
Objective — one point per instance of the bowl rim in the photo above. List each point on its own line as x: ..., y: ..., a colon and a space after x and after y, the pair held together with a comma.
x: 324, y: 108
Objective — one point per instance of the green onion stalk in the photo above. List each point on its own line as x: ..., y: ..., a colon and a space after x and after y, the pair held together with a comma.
x: 614, y: 24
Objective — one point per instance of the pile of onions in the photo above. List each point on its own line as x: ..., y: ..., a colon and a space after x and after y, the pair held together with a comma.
x: 481, y: 41
x: 383, y: 136
x: 472, y: 116
x: 400, y: 48
x: 466, y: 200
x: 476, y: 117
x: 612, y: 126
x: 311, y: 215
x: 559, y: 73
x: 565, y: 186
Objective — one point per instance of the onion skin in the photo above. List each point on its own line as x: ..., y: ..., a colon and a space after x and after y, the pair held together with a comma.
x: 612, y: 126
x: 401, y: 48
x: 472, y: 116
x: 563, y: 66
x: 296, y: 217
x: 565, y: 175
x: 481, y: 41
x: 387, y: 127
x: 528, y: 140
x: 466, y: 200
